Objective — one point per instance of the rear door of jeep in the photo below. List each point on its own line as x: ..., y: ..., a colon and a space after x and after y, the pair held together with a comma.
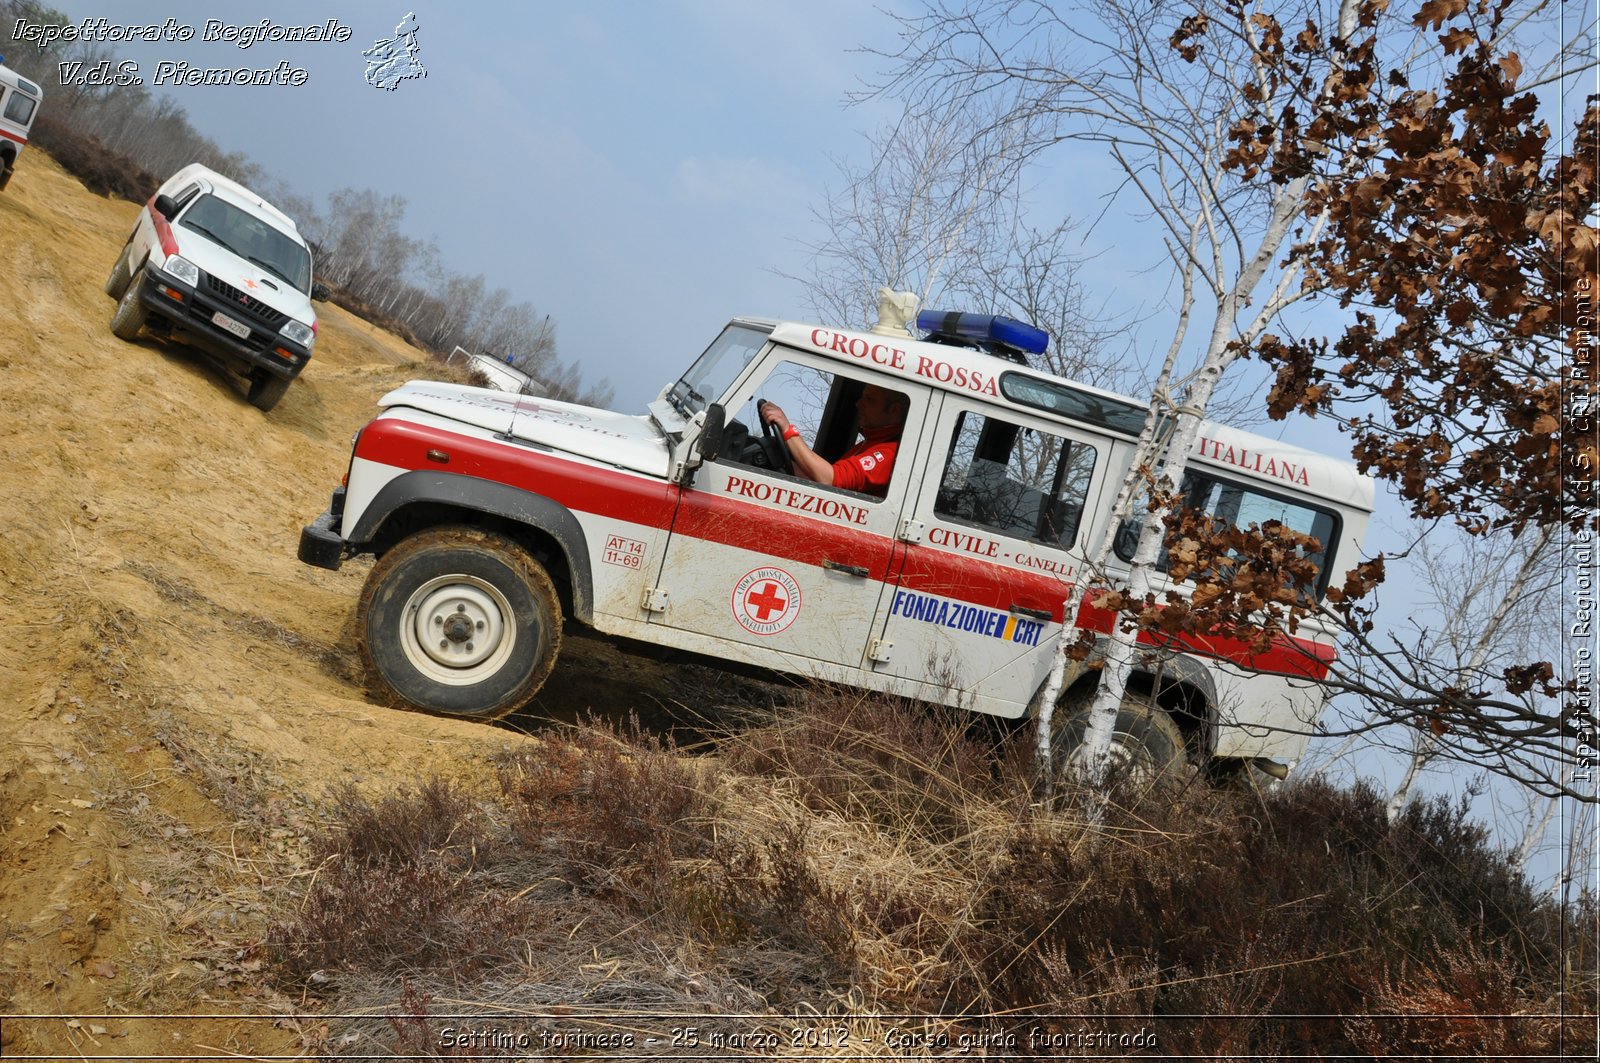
x: 1000, y: 514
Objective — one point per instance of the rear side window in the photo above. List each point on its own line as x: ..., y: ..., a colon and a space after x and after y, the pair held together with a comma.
x: 1241, y: 506
x: 19, y: 108
x: 1015, y: 480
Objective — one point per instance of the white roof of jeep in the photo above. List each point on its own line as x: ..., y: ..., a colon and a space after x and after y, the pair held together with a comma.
x: 974, y: 373
x: 20, y: 83
x: 228, y: 189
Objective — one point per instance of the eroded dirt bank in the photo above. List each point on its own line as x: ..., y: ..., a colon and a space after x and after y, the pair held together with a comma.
x: 161, y: 648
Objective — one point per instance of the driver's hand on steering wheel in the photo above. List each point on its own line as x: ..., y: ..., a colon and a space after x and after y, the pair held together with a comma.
x: 771, y: 413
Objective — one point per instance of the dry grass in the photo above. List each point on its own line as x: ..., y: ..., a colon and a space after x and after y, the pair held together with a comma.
x: 858, y: 857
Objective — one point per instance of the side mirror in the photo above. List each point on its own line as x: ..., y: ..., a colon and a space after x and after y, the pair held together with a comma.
x: 711, y: 434
x: 166, y: 207
x: 320, y: 292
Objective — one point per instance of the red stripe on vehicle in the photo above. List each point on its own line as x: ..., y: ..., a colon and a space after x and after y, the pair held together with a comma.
x: 169, y: 243
x: 788, y: 536
x: 806, y: 540
x: 13, y: 136
x: 584, y: 488
x: 1286, y: 655
x: 929, y: 570
x: 977, y: 582
x: 622, y: 496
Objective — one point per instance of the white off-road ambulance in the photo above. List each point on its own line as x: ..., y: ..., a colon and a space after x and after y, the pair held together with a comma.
x: 19, y: 106
x: 496, y: 519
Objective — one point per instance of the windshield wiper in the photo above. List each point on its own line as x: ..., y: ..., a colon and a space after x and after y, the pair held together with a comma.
x: 197, y: 227
x: 280, y: 274
x: 680, y: 402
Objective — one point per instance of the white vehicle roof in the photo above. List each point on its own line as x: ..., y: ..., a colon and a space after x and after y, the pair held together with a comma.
x: 228, y: 189
x: 20, y: 83
x: 964, y: 370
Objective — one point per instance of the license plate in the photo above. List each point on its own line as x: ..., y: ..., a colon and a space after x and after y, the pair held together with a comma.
x: 238, y: 328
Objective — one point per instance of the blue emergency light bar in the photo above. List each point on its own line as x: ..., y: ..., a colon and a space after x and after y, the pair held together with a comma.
x: 990, y: 332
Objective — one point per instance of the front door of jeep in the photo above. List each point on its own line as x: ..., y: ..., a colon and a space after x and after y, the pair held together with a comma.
x: 771, y: 567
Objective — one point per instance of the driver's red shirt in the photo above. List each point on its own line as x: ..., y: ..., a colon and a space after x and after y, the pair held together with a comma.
x: 865, y: 467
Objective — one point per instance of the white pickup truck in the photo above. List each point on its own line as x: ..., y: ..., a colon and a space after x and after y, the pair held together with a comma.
x: 212, y: 263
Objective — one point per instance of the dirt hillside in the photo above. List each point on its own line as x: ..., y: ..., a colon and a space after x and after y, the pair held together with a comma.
x: 161, y: 647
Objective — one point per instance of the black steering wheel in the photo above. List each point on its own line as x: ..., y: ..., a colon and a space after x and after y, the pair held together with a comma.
x: 772, y: 444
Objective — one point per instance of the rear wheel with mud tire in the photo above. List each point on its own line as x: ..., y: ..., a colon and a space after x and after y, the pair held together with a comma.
x: 1147, y: 748
x: 117, y: 281
x: 460, y: 621
x: 131, y: 313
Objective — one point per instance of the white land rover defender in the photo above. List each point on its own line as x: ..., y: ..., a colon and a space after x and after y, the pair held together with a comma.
x: 19, y: 106
x: 496, y: 519
x: 214, y: 264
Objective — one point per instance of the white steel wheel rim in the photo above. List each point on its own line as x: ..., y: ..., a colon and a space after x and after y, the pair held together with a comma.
x: 1126, y: 756
x: 457, y: 630
x: 1129, y: 756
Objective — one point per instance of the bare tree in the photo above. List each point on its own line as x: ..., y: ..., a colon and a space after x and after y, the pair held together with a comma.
x: 1492, y: 599
x: 1232, y: 128
x: 938, y: 211
x: 919, y: 213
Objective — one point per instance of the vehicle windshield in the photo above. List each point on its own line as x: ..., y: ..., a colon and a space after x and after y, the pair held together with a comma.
x: 250, y: 238
x: 714, y: 371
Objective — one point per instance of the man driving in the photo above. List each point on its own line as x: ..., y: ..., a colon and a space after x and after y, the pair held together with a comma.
x: 865, y: 467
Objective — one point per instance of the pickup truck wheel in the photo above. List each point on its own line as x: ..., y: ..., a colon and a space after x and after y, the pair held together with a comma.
x: 131, y: 313
x: 1146, y: 746
x: 117, y: 282
x: 266, y: 389
x: 459, y: 621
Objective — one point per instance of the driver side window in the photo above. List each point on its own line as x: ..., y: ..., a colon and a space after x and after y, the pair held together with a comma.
x: 821, y: 405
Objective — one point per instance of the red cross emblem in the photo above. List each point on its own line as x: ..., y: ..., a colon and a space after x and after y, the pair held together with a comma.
x: 766, y: 601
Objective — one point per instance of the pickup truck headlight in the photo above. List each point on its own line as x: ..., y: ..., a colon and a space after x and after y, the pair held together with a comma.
x: 183, y: 270
x: 299, y: 333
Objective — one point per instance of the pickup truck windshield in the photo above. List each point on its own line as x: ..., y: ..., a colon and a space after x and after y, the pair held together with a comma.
x: 250, y: 238
x: 714, y: 372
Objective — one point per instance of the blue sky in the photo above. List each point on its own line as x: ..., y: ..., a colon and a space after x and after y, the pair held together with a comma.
x: 641, y: 172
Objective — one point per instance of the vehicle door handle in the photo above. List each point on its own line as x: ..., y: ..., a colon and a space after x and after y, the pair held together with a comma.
x: 1029, y: 611
x: 853, y: 570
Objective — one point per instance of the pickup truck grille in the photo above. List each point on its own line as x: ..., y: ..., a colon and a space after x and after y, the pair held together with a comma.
x: 257, y: 309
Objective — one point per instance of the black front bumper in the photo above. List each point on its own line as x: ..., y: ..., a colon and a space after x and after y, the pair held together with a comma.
x: 192, y: 314
x: 320, y: 545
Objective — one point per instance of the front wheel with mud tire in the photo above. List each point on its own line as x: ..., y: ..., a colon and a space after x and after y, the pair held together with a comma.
x: 1147, y: 748
x: 131, y: 314
x: 266, y: 389
x: 459, y: 621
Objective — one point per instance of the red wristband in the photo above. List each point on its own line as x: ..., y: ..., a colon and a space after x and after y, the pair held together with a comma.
x: 790, y: 432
